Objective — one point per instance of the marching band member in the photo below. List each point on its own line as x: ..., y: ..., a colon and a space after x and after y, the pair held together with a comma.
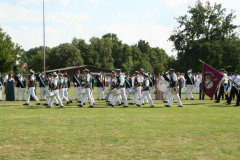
x: 42, y: 86
x: 128, y: 85
x: 87, y: 85
x: 235, y: 88
x: 190, y: 83
x: 20, y: 86
x: 76, y: 82
x: 100, y: 86
x: 173, y: 87
x: 65, y: 87
x: 198, y: 78
x: 137, y: 87
x: 146, y: 92
x: 222, y: 85
x: 62, y: 88
x: 31, y: 89
x: 167, y: 78
x: 55, y: 89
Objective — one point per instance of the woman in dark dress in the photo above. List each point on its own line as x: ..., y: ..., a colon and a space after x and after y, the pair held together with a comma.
x: 10, y: 96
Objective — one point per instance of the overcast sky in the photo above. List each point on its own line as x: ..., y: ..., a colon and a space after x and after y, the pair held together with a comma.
x: 131, y: 20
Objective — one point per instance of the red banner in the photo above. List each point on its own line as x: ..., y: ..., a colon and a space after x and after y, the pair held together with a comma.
x: 210, y: 80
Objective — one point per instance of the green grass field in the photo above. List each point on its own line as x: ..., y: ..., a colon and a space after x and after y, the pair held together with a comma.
x: 199, y: 130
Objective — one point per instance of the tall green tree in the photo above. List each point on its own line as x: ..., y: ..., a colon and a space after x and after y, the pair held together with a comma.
x: 206, y: 33
x: 64, y: 55
x: 9, y: 52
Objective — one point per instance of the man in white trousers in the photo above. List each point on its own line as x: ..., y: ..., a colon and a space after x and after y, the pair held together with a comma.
x: 173, y: 89
x: 76, y: 82
x: 42, y: 86
x: 137, y: 87
x: 121, y: 84
x: 87, y: 85
x: 190, y: 84
x: 55, y: 89
x: 145, y: 91
x: 100, y: 86
x: 20, y: 87
x: 31, y: 90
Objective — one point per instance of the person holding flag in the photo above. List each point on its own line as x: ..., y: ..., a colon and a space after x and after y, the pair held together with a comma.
x: 222, y: 85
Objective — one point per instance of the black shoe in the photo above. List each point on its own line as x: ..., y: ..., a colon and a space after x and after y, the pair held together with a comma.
x: 125, y: 106
x: 84, y: 103
x: 68, y: 102
x: 165, y: 101
x: 119, y: 104
x: 131, y: 103
x: 143, y: 104
x: 236, y: 105
x: 152, y: 106
x: 192, y: 99
x: 167, y: 106
x: 26, y: 104
x: 79, y: 101
x: 93, y: 103
x: 175, y: 102
x: 180, y: 106
x: 79, y: 105
x: 57, y: 104
x: 107, y: 101
x: 38, y: 103
x: 216, y: 101
x: 90, y: 107
x: 45, y: 104
x: 112, y: 105
x: 138, y: 105
x: 186, y: 98
x: 61, y: 107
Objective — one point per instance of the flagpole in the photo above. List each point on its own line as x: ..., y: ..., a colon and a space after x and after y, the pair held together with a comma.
x: 44, y: 61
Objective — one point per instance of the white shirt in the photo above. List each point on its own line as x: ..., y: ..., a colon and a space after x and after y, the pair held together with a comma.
x: 32, y: 78
x: 61, y: 80
x: 55, y: 81
x: 237, y: 80
x: 174, y: 76
x: 5, y: 78
x: 141, y: 79
x: 225, y: 78
x: 88, y: 77
x: 121, y: 77
x: 147, y: 82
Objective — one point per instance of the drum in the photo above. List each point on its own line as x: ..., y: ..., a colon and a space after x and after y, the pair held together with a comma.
x: 163, y: 85
x: 174, y: 92
x: 116, y: 91
x: 81, y: 91
x: 132, y: 90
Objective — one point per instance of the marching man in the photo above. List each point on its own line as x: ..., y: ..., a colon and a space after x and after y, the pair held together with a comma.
x: 42, y: 86
x: 31, y: 90
x: 20, y: 87
x: 76, y: 82
x: 87, y: 85
x: 100, y: 86
x: 121, y: 84
x: 146, y: 93
x: 55, y: 89
x: 173, y: 89
x: 190, y: 83
x: 137, y: 85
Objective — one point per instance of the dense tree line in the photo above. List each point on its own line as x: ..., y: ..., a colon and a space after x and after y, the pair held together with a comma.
x: 106, y: 52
